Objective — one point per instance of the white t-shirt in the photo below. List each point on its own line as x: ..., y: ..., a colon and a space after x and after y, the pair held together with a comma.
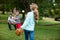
x: 11, y: 19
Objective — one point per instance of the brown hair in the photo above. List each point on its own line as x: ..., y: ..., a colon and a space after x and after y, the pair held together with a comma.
x: 35, y: 9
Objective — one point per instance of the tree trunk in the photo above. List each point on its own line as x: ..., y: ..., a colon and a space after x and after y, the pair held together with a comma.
x: 3, y: 12
x: 23, y: 16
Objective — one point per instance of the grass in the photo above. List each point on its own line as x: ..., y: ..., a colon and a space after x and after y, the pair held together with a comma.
x: 3, y: 17
x: 6, y: 34
x: 41, y: 32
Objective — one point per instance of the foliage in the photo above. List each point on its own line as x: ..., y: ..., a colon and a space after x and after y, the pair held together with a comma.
x: 45, y: 6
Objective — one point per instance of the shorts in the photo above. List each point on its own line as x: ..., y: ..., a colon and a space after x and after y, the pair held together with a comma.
x: 18, y: 25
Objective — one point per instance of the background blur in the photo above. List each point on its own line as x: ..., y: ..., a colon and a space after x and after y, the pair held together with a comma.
x: 48, y: 27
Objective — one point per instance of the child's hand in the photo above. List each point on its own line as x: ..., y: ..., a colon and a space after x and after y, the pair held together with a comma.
x: 15, y: 18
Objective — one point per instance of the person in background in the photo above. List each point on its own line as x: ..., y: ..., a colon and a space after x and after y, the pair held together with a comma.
x: 11, y: 21
x: 11, y: 18
x: 17, y: 19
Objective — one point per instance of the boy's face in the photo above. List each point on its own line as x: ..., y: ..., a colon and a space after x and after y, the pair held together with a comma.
x: 17, y: 13
x: 14, y: 10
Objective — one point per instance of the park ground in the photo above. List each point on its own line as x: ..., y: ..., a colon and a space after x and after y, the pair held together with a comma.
x: 46, y: 29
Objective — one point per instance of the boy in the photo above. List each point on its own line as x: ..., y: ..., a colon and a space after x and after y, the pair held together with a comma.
x: 11, y: 21
x: 17, y: 19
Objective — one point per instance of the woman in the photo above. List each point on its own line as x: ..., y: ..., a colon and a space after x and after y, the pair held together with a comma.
x: 29, y: 22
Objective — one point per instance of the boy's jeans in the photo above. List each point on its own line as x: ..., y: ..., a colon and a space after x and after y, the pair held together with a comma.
x: 29, y: 34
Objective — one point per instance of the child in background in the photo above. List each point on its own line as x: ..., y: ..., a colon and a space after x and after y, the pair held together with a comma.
x: 11, y: 21
x: 17, y: 19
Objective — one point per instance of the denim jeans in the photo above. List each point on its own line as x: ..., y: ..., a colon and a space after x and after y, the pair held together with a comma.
x: 9, y: 25
x: 29, y: 34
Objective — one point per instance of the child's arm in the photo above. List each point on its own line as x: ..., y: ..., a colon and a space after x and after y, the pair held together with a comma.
x: 17, y: 18
x: 26, y: 22
x: 8, y: 19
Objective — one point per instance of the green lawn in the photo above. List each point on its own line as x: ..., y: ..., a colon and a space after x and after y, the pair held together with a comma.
x: 41, y: 33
